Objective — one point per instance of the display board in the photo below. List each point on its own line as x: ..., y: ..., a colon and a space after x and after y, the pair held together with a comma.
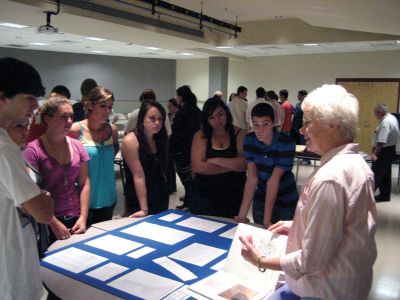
x: 148, y: 259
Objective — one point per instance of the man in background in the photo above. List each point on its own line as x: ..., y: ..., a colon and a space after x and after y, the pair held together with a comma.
x: 287, y: 109
x: 260, y: 98
x: 297, y: 121
x: 238, y: 108
x: 384, y: 150
x: 87, y: 85
x: 20, y: 85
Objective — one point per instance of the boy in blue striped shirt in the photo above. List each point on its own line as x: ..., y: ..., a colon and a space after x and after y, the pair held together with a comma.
x: 270, y: 183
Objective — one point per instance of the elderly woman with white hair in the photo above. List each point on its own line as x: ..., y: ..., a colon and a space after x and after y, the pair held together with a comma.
x: 331, y: 246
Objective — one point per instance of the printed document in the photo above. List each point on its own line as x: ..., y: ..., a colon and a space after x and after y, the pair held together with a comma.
x: 158, y: 233
x: 198, y: 254
x: 145, y: 285
x: 107, y: 271
x: 74, y: 260
x: 175, y: 268
x: 114, y: 244
x: 201, y: 224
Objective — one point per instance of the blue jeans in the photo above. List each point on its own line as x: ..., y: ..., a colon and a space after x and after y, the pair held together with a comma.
x: 278, y: 213
x: 285, y: 293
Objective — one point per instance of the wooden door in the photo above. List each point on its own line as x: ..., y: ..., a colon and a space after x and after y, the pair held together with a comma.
x: 370, y: 92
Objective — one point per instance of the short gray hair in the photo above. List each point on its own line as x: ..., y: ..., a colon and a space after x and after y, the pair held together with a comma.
x: 381, y: 107
x: 332, y: 103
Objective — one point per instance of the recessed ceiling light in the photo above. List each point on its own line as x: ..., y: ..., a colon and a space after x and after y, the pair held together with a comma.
x: 224, y: 47
x: 39, y: 44
x: 153, y: 48
x: 98, y: 51
x: 398, y: 42
x: 13, y: 25
x: 310, y: 45
x: 185, y: 53
x: 95, y: 39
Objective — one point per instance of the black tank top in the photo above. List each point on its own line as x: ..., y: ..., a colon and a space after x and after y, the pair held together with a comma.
x: 229, y: 152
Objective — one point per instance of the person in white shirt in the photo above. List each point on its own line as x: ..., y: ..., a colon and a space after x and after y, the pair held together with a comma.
x: 238, y: 108
x: 20, y: 85
x: 384, y: 150
x: 260, y: 94
x: 331, y: 246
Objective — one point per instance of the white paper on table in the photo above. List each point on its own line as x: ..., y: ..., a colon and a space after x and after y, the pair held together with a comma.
x: 141, y: 252
x: 219, y: 266
x: 230, y: 234
x: 145, y: 285
x: 158, y: 233
x: 198, y: 254
x: 74, y: 260
x: 107, y: 271
x: 175, y: 268
x: 170, y: 217
x: 114, y: 244
x: 222, y: 285
x: 184, y: 293
x: 201, y: 224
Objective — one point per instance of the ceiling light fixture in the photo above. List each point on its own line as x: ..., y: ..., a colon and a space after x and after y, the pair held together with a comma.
x: 310, y: 45
x: 98, y: 51
x: 185, y: 53
x: 39, y: 44
x: 95, y: 39
x: 13, y: 25
x: 398, y: 42
x: 153, y: 48
x: 224, y: 47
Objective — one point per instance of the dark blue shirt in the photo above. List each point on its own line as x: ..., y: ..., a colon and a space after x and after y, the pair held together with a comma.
x: 279, y: 154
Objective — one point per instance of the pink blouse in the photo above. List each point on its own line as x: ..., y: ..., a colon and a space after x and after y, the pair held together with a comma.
x: 58, y: 179
x: 331, y: 246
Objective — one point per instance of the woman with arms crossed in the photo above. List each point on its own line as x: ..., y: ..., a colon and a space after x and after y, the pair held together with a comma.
x: 331, y: 246
x: 217, y: 163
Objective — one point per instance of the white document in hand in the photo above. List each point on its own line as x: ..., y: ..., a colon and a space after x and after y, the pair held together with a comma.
x: 239, y: 277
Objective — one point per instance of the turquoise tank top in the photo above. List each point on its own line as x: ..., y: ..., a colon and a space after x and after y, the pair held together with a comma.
x: 101, y: 170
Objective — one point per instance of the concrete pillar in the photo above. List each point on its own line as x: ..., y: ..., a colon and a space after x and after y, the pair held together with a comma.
x: 218, y: 75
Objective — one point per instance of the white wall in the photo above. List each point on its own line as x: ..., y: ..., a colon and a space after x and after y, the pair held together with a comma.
x: 293, y: 72
x: 194, y: 72
x: 126, y: 77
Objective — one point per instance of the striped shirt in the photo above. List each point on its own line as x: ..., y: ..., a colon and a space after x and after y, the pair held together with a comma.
x: 331, y: 246
x: 279, y: 154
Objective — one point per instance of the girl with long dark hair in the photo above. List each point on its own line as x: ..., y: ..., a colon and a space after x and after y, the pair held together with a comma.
x: 218, y: 164
x: 145, y: 158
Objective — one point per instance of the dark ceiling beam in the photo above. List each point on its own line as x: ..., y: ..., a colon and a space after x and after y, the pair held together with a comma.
x: 193, y: 14
x: 117, y: 13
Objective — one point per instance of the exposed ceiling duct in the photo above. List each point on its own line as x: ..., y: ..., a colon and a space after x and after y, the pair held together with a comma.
x: 160, y: 14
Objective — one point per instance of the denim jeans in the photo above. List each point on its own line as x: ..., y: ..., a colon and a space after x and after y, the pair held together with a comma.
x: 285, y: 293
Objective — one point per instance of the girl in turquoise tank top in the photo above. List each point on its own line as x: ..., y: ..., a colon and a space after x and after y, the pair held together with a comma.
x: 100, y: 139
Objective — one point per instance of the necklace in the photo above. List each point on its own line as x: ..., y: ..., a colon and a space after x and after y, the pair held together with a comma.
x: 64, y: 167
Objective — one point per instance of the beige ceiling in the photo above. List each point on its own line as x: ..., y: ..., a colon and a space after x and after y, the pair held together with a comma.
x: 273, y: 27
